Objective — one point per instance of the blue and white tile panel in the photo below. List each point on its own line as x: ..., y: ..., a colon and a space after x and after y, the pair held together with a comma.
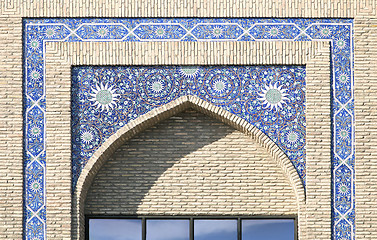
x: 104, y: 99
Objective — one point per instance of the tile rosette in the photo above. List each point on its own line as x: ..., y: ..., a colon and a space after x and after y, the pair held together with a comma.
x: 338, y: 31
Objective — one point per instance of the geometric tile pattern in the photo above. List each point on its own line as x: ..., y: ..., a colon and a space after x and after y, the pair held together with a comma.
x: 39, y: 31
x: 104, y: 99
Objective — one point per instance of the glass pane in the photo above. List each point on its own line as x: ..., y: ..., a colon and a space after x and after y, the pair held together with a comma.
x: 268, y: 229
x: 215, y: 229
x: 175, y: 229
x: 114, y: 229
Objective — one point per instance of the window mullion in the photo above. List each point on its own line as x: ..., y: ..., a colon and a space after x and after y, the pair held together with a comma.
x: 191, y: 228
x: 239, y: 227
x: 144, y: 228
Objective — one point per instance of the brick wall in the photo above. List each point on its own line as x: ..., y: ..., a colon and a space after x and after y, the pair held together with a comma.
x: 366, y: 127
x: 11, y: 128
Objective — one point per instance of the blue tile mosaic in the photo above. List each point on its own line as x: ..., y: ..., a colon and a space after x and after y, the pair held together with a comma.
x: 159, y: 31
x: 104, y: 99
x: 343, y: 175
x: 35, y: 180
x: 343, y: 134
x: 98, y: 31
x: 338, y: 31
x: 217, y: 31
x: 275, y: 31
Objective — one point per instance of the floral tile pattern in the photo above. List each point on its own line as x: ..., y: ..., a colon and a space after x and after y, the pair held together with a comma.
x: 275, y: 31
x: 104, y: 99
x: 98, y: 31
x: 39, y: 31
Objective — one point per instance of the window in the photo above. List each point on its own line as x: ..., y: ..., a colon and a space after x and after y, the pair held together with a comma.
x: 219, y: 229
x: 114, y: 229
x: 164, y: 229
x: 190, y: 228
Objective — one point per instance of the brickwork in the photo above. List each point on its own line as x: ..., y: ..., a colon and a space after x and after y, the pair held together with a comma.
x: 58, y: 139
x: 11, y: 129
x: 11, y: 169
x: 190, y: 8
x: 191, y: 165
x: 365, y: 110
x: 318, y: 135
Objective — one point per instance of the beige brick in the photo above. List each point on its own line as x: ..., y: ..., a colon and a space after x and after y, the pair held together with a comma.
x: 196, y: 160
x: 365, y: 124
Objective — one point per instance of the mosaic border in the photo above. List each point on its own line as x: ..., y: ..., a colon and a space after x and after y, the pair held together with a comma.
x: 44, y: 30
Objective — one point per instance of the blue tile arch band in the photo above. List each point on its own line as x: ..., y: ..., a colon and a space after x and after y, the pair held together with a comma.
x: 39, y: 31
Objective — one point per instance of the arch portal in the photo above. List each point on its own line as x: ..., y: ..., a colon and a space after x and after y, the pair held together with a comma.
x: 159, y: 114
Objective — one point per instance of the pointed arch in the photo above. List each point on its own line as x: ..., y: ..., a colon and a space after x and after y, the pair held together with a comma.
x: 157, y: 115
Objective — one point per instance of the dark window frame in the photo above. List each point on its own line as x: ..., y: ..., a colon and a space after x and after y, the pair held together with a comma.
x: 191, y: 218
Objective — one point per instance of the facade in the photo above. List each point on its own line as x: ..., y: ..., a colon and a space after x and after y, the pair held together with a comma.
x: 257, y: 109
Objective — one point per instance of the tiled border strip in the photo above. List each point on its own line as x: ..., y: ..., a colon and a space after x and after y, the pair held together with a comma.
x: 344, y: 221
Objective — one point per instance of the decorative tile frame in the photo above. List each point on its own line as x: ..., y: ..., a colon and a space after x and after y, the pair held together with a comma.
x: 257, y: 30
x: 60, y: 56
